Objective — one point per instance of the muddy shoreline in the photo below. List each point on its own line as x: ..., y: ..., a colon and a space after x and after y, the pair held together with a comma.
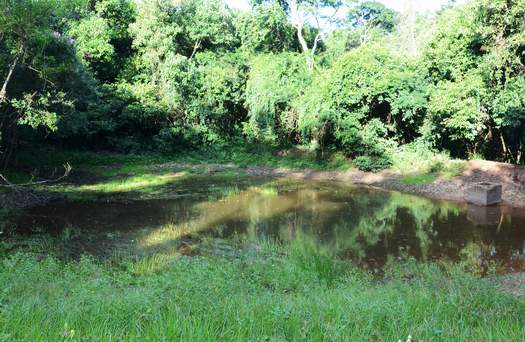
x: 451, y: 189
x: 444, y: 189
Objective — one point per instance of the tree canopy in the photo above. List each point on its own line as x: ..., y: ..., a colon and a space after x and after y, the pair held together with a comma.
x: 352, y: 76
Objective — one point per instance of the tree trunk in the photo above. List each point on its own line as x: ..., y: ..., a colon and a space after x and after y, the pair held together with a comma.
x: 314, y: 48
x: 520, y: 153
x: 503, y: 145
x: 3, y: 91
x: 298, y: 22
x: 304, y: 47
x: 195, y: 48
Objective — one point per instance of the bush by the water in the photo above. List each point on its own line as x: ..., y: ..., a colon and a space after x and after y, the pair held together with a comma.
x: 372, y: 163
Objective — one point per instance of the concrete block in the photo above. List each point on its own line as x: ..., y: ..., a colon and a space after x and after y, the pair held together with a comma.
x: 484, y: 194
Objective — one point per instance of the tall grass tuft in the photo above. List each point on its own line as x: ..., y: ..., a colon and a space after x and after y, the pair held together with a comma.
x: 307, y: 254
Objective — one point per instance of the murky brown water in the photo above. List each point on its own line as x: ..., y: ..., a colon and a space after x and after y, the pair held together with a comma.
x: 365, y: 225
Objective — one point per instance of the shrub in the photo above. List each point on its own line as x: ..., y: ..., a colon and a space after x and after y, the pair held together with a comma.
x: 372, y: 163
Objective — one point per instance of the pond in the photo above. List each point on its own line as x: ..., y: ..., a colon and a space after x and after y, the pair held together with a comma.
x: 367, y: 226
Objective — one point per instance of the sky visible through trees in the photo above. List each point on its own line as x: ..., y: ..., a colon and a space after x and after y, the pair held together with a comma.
x: 398, y: 5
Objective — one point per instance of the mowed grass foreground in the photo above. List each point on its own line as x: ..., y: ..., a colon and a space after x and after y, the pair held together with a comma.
x: 273, y: 294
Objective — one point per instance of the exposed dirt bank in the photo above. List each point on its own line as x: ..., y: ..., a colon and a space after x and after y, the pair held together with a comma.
x: 442, y: 188
x: 510, y: 176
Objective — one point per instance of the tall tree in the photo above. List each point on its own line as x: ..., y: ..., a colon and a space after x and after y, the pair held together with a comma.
x: 267, y: 29
x: 319, y: 14
x: 37, y: 55
x: 303, y: 12
x: 102, y: 38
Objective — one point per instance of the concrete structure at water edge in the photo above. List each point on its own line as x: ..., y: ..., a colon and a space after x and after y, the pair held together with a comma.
x: 484, y: 216
x: 484, y: 194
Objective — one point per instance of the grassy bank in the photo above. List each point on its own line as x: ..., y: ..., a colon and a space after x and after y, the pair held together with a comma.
x: 265, y: 292
x: 113, y: 172
x: 294, y: 158
x: 101, y: 173
x: 268, y: 295
x: 406, y: 161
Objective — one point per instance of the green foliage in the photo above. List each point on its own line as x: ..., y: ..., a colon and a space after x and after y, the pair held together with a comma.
x: 457, y: 108
x: 372, y: 163
x: 102, y: 38
x: 371, y: 18
x: 273, y: 83
x: 476, y: 63
x: 39, y: 66
x: 266, y: 29
x: 92, y: 39
x: 171, y: 75
x: 368, y: 101
x: 423, y: 179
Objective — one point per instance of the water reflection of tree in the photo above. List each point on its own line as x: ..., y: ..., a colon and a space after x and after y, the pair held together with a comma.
x: 380, y: 217
x: 359, y: 223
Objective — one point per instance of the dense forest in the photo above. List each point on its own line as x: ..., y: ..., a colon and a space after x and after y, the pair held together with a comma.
x: 327, y: 75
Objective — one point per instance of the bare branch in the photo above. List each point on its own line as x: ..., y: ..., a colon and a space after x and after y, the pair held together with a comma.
x: 8, y: 184
x: 195, y: 48
x: 41, y: 74
x: 316, y: 42
x: 3, y: 91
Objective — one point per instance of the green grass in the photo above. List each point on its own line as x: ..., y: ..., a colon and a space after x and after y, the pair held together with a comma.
x: 422, y: 179
x: 420, y: 166
x: 412, y: 160
x: 143, y: 183
x: 230, y: 173
x: 103, y: 174
x: 139, y: 163
x: 118, y: 173
x: 273, y: 295
x: 446, y: 170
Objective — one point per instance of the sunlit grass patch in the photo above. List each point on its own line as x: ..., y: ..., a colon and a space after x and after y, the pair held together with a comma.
x: 230, y: 191
x: 168, y: 235
x: 418, y: 165
x: 447, y: 170
x: 231, y: 173
x: 142, y: 183
x: 224, y: 193
x: 140, y: 266
x: 453, y: 168
x: 421, y: 179
x: 123, y: 169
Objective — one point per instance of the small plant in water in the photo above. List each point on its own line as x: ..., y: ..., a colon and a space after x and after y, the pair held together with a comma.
x: 268, y: 191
